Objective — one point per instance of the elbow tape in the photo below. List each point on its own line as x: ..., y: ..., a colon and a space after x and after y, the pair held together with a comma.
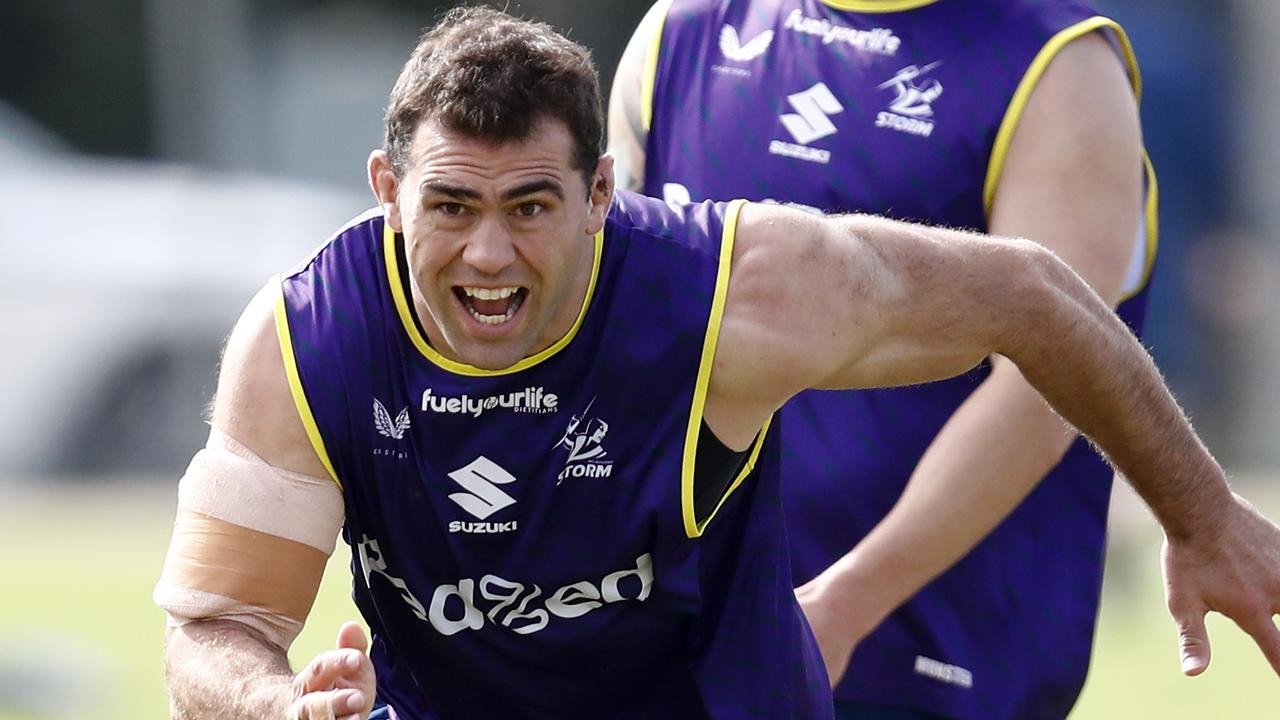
x: 250, y: 542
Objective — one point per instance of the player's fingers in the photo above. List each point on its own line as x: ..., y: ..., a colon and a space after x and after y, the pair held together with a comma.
x: 329, y: 705
x: 1193, y: 641
x: 314, y: 706
x: 352, y: 636
x: 328, y: 668
x: 1264, y: 632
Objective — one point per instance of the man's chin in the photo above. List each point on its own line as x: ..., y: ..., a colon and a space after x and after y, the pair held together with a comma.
x: 491, y: 355
x: 485, y: 346
x: 489, y: 362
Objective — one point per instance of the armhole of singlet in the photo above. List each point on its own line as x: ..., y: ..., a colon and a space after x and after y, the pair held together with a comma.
x: 1145, y: 245
x: 1030, y: 79
x: 649, y: 80
x: 1144, y: 259
x: 295, y: 383
x: 714, y: 469
x: 693, y: 524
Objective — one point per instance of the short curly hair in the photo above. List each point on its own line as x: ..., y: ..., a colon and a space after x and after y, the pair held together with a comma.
x: 487, y: 75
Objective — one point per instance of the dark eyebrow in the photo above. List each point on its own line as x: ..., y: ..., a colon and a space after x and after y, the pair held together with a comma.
x: 533, y: 187
x: 453, y: 191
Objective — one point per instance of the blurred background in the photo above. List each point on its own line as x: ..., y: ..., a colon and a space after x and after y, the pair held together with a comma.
x: 161, y: 159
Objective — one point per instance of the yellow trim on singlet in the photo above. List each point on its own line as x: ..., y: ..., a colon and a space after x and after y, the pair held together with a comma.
x: 877, y: 6
x: 692, y: 527
x: 650, y: 78
x: 406, y: 316
x: 295, y: 382
x: 1151, y: 218
x: 1018, y: 105
x: 1021, y: 96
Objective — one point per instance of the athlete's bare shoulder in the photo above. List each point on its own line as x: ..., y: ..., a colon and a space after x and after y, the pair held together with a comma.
x: 628, y: 103
x: 254, y: 403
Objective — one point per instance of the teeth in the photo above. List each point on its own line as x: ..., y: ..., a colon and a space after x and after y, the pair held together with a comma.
x: 494, y: 294
x: 493, y: 319
x: 489, y: 293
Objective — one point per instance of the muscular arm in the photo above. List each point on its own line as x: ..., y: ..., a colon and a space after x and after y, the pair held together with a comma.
x: 221, y: 667
x: 253, y: 402
x: 1071, y: 182
x: 627, y: 133
x: 857, y: 301
x: 865, y: 302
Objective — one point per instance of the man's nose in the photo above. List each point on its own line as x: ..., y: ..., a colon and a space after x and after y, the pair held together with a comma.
x: 490, y: 249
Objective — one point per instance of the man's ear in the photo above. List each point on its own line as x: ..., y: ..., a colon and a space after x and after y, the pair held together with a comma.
x: 600, y: 194
x: 386, y: 188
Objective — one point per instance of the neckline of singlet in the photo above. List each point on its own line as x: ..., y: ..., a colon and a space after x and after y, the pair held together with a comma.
x: 397, y: 270
x: 877, y: 6
x: 716, y: 463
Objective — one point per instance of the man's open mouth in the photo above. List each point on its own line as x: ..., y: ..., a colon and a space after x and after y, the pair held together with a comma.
x: 491, y: 306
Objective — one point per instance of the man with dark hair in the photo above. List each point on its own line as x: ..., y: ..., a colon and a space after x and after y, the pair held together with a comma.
x: 495, y: 306
x: 512, y: 79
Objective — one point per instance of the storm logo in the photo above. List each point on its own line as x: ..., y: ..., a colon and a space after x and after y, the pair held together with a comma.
x: 584, y: 439
x: 911, y: 111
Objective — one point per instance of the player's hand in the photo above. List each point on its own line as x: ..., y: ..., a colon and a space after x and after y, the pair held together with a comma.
x: 337, y: 684
x: 836, y: 629
x: 1234, y: 571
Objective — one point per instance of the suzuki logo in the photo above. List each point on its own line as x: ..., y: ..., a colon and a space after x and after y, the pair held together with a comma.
x: 809, y: 121
x: 481, y: 479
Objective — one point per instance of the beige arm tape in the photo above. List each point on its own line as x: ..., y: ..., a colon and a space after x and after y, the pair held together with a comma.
x: 250, y: 542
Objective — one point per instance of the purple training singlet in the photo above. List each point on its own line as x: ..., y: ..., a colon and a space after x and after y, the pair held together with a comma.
x: 905, y: 113
x: 528, y: 542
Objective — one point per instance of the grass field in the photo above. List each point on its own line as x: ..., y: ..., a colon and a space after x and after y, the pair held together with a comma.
x: 79, y: 637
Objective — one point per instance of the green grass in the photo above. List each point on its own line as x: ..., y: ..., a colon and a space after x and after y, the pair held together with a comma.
x: 78, y: 566
x: 1135, y: 672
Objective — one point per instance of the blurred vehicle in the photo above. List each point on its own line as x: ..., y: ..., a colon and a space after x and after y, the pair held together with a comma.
x: 118, y: 282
